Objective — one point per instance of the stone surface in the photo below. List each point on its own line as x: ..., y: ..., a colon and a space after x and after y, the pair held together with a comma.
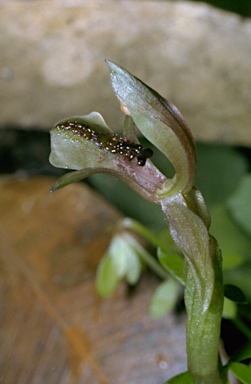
x: 52, y: 62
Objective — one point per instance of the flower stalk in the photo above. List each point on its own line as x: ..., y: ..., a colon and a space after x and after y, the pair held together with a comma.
x: 203, y: 328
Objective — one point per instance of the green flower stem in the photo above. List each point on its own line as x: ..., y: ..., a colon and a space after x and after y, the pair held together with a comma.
x: 141, y: 230
x: 203, y: 328
x: 154, y: 265
x: 149, y: 260
x: 204, y: 285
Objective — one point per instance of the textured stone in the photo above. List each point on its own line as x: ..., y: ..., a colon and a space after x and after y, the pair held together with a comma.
x: 52, y: 62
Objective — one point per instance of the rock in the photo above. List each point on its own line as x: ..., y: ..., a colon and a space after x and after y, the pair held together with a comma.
x: 52, y: 62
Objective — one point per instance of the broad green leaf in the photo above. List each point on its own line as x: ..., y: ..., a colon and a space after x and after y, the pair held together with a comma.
x: 234, y: 293
x: 173, y: 262
x: 107, y: 278
x: 241, y: 371
x: 183, y: 378
x: 234, y: 244
x: 240, y: 206
x: 164, y: 298
x: 219, y: 171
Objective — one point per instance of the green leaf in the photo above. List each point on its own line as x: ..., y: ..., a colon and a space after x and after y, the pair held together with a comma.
x: 234, y: 293
x: 239, y: 204
x: 220, y: 169
x: 235, y: 245
x: 241, y: 371
x: 173, y: 262
x: 183, y: 378
x: 107, y: 278
x: 164, y: 298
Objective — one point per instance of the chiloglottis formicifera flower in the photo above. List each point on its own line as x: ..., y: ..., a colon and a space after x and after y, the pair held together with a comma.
x: 87, y: 145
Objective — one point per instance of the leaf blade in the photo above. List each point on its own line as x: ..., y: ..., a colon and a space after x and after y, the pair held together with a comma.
x: 241, y: 371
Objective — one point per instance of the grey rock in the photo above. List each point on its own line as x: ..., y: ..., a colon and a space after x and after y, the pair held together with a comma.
x: 52, y: 62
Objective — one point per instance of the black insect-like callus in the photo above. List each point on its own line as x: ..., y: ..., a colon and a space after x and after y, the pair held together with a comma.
x: 103, y: 139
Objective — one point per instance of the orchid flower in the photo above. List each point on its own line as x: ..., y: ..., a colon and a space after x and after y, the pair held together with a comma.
x: 87, y: 145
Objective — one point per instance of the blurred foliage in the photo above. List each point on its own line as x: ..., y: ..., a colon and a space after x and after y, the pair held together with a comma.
x: 242, y: 7
x: 164, y: 298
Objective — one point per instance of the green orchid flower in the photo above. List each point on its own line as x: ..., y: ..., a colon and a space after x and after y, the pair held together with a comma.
x: 159, y: 121
x: 87, y: 145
